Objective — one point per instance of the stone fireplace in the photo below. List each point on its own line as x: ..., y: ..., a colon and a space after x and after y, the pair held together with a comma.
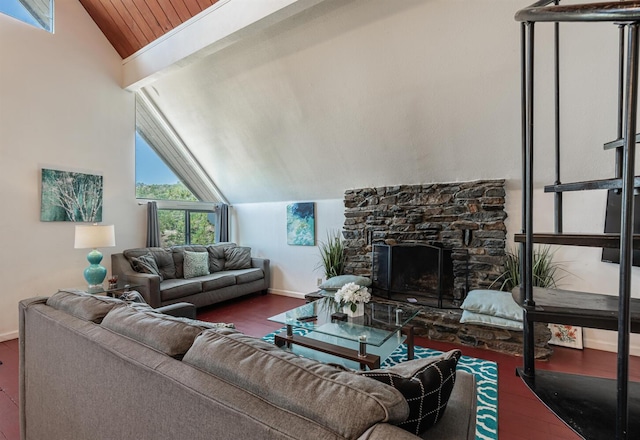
x: 463, y: 219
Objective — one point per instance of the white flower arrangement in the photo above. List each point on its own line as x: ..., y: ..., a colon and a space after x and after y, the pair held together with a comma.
x: 351, y: 295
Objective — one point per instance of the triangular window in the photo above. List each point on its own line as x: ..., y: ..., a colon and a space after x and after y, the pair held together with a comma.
x: 38, y: 13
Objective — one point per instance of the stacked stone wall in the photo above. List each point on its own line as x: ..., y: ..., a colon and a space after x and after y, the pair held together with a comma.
x: 464, y: 216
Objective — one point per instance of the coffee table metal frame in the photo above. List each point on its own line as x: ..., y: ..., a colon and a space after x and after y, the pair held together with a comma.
x: 360, y: 356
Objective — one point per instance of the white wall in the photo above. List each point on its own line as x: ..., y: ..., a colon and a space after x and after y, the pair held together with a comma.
x: 61, y: 107
x: 263, y: 227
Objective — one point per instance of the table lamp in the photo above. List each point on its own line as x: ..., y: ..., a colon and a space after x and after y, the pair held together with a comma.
x: 93, y: 237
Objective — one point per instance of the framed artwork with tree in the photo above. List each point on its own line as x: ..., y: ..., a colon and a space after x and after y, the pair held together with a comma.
x: 70, y: 197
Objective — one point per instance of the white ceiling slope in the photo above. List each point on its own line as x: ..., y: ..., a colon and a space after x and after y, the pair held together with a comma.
x: 358, y: 93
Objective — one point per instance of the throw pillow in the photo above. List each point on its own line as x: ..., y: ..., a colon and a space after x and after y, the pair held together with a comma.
x: 146, y: 264
x: 335, y: 283
x: 426, y: 384
x: 216, y: 255
x: 164, y: 260
x: 237, y: 258
x: 491, y: 321
x: 494, y: 303
x: 195, y: 264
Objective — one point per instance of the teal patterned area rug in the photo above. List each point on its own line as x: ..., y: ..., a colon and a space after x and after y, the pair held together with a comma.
x: 486, y: 373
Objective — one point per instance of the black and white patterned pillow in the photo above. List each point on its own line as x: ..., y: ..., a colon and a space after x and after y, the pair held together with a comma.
x: 426, y: 384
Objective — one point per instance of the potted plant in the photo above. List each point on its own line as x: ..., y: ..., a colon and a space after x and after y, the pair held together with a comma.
x: 332, y: 256
x: 545, y: 270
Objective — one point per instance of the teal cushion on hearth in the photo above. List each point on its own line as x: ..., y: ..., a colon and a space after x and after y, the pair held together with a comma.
x: 490, y: 321
x: 335, y: 283
x: 492, y: 303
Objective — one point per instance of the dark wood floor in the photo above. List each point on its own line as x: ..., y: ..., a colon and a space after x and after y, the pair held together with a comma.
x: 520, y: 414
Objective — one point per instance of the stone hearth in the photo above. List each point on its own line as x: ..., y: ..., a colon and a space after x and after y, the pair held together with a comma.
x: 444, y: 325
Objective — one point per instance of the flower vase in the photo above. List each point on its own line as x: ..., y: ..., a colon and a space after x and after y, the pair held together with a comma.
x: 350, y: 313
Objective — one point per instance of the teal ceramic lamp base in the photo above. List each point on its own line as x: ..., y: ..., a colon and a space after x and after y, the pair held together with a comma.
x: 95, y: 273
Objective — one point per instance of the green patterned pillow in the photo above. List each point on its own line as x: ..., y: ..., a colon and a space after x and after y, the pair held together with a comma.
x: 195, y: 264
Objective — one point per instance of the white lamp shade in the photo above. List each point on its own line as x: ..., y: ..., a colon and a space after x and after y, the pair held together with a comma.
x: 94, y: 236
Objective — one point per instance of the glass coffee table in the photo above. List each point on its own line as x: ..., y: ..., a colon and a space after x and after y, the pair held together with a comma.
x: 363, y: 340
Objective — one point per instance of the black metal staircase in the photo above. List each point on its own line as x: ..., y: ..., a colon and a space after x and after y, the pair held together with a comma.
x: 595, y: 408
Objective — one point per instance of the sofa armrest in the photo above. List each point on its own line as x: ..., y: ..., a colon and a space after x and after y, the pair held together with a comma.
x: 147, y: 284
x: 263, y: 263
x: 181, y: 310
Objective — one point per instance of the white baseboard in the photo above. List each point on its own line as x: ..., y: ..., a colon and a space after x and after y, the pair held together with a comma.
x: 287, y: 293
x: 596, y: 344
x: 11, y: 335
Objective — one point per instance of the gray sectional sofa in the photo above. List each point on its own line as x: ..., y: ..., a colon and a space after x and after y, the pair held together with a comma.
x: 232, y: 273
x: 92, y: 367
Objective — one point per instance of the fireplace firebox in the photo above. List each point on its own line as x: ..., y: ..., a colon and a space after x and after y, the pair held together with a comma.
x: 417, y: 273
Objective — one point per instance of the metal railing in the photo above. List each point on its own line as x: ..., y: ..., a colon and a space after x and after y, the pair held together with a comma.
x: 625, y: 14
x: 605, y: 11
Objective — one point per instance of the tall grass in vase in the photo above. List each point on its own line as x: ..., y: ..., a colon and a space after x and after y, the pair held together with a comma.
x: 332, y: 256
x: 546, y: 272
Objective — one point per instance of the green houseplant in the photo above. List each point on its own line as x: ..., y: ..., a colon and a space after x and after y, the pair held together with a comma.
x: 546, y: 272
x: 332, y: 256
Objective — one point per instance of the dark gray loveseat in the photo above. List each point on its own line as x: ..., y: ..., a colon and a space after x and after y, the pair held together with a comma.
x: 233, y: 273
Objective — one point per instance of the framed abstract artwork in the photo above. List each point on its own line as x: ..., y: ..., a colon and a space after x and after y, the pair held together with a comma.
x: 566, y: 335
x: 301, y: 228
x: 70, y: 197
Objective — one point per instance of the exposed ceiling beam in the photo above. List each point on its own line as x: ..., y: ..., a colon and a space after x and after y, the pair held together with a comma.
x: 221, y: 25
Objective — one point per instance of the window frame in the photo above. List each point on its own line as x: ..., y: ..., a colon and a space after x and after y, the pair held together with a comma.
x: 187, y: 207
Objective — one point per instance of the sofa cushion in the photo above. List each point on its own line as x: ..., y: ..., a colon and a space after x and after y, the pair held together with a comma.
x: 426, y: 384
x: 218, y: 281
x: 172, y: 336
x: 163, y: 257
x: 216, y: 255
x: 237, y: 257
x: 309, y: 388
x: 145, y: 264
x: 178, y: 256
x: 83, y: 305
x: 179, y: 288
x: 248, y: 275
x: 195, y: 264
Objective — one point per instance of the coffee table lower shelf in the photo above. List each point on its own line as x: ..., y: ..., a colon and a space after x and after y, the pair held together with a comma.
x: 359, y: 356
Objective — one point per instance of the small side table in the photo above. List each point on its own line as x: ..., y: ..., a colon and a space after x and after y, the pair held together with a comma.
x: 114, y: 292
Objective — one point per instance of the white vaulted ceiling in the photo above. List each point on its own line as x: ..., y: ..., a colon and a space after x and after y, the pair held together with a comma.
x: 354, y: 93
x: 348, y: 94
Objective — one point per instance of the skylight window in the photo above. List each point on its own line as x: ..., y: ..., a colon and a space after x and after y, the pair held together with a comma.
x: 38, y: 13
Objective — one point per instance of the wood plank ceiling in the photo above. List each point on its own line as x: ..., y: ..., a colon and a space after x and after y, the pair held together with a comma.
x: 129, y: 25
